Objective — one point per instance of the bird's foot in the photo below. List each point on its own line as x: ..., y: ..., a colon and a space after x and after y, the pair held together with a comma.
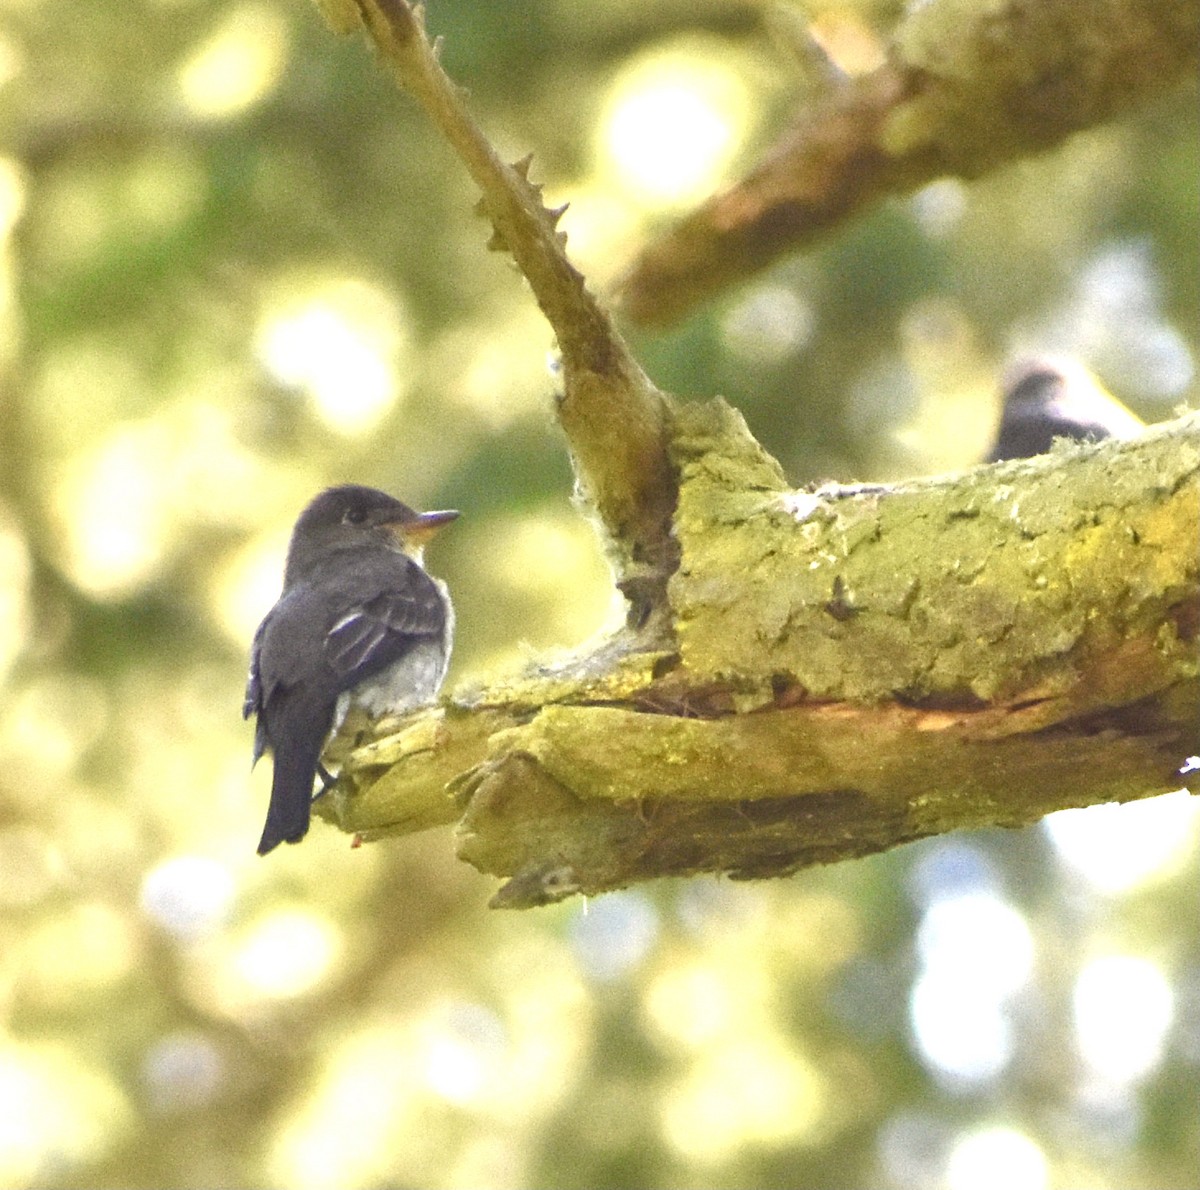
x: 328, y: 780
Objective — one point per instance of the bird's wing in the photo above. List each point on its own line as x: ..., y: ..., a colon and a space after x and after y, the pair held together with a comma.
x: 255, y: 698
x: 254, y: 689
x: 373, y: 634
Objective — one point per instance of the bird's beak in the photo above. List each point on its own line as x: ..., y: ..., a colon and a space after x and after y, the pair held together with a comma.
x: 424, y: 526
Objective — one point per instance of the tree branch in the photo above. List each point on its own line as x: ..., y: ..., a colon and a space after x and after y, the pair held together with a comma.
x: 852, y: 668
x: 810, y: 675
x: 613, y: 417
x: 970, y: 85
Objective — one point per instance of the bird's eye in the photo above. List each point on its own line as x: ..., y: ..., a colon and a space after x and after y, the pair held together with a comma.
x: 354, y: 516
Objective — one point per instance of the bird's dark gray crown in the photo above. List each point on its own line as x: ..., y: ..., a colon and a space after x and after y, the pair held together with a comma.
x: 352, y: 503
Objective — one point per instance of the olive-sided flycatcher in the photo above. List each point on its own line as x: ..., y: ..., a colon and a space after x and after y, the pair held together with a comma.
x: 359, y: 622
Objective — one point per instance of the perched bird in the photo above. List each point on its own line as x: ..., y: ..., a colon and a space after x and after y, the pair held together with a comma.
x: 1050, y: 398
x: 359, y: 622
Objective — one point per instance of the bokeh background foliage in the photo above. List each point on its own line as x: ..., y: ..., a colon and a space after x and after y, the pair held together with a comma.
x: 236, y: 267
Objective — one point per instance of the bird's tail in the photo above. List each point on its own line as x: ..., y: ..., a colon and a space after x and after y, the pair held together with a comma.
x: 291, y: 795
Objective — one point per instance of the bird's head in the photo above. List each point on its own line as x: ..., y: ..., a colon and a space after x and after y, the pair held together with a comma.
x: 350, y: 515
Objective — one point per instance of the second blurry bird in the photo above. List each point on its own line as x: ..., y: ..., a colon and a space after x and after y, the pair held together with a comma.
x: 1053, y: 397
x: 359, y: 622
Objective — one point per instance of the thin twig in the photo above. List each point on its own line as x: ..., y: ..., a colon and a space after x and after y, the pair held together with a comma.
x: 614, y: 418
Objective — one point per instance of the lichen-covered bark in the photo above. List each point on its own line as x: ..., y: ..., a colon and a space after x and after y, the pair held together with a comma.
x: 969, y: 85
x: 967, y: 589
x: 849, y: 668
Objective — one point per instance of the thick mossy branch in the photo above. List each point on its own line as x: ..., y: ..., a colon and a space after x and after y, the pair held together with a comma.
x: 613, y: 417
x: 854, y: 668
x: 970, y: 588
x: 970, y: 85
